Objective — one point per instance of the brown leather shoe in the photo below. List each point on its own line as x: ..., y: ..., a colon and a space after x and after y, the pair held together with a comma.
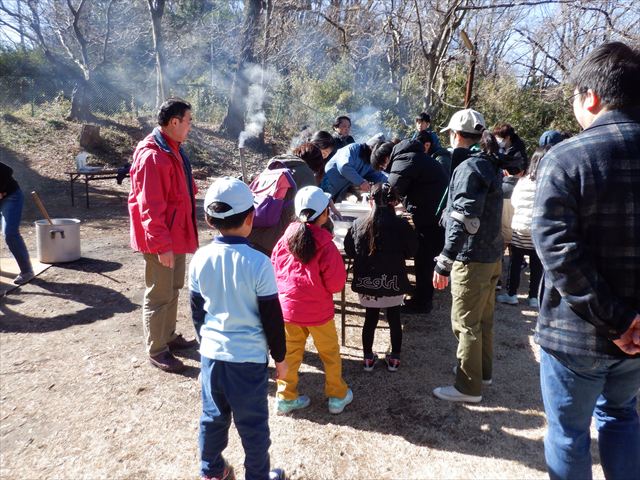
x: 181, y: 343
x: 166, y: 362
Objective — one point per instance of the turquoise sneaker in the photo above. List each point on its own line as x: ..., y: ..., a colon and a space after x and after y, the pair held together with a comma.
x: 336, y: 405
x: 288, y: 406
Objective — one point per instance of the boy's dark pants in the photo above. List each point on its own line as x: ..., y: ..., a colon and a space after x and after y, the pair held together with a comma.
x: 430, y: 244
x: 241, y: 389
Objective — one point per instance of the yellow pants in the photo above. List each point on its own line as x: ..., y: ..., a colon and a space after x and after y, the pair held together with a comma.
x: 325, y: 339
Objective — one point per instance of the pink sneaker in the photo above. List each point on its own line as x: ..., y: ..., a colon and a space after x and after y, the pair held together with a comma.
x: 370, y: 363
x: 393, y: 362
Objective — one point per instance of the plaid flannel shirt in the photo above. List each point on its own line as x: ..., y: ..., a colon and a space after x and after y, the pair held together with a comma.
x: 586, y: 230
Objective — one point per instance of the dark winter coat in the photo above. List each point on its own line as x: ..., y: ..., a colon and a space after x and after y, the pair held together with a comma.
x: 443, y: 157
x: 516, y: 159
x: 8, y: 185
x: 420, y: 181
x: 384, y: 273
x: 475, y: 191
x: 340, y: 142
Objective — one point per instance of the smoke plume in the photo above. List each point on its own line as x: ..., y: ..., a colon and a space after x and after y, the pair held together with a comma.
x: 259, y: 81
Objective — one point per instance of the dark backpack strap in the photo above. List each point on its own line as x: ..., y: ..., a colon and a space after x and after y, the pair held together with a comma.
x: 275, y: 164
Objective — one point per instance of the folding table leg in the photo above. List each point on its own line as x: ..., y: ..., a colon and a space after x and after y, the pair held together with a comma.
x: 71, y: 182
x: 86, y: 189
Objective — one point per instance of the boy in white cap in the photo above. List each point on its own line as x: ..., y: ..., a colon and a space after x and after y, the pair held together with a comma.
x: 309, y: 270
x: 235, y: 309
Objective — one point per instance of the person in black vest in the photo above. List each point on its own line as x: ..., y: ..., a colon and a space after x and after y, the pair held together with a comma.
x: 421, y: 183
x: 342, y: 132
x: 512, y: 147
x: 11, y: 202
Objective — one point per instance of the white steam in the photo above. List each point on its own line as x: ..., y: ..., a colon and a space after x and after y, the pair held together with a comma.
x: 302, y: 137
x: 259, y: 80
x: 366, y: 123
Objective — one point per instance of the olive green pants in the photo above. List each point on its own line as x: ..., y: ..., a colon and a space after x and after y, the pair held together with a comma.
x: 160, y: 305
x: 473, y: 302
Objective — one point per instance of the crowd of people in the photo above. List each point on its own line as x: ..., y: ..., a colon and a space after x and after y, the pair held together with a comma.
x: 573, y: 210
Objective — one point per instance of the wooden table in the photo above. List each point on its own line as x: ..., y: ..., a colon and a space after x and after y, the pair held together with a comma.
x: 90, y: 176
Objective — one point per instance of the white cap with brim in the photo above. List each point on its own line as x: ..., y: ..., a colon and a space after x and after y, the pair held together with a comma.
x: 311, y: 198
x: 467, y: 121
x: 231, y: 191
x: 377, y: 138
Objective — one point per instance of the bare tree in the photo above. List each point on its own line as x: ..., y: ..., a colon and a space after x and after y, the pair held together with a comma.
x: 156, y: 11
x: 79, y: 32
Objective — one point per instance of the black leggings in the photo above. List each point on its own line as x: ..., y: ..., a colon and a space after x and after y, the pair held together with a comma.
x: 371, y: 317
x: 513, y: 280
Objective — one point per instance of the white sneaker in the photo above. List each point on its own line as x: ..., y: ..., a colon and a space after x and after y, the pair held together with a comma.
x: 23, y: 278
x: 533, y: 303
x: 508, y: 299
x: 484, y: 382
x: 452, y: 394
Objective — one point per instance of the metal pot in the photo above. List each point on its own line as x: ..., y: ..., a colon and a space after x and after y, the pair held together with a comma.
x: 59, y: 242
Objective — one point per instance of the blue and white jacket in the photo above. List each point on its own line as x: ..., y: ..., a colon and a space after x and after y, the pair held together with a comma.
x: 347, y: 168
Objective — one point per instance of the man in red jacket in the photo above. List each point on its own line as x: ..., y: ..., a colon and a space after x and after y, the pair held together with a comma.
x: 163, y: 228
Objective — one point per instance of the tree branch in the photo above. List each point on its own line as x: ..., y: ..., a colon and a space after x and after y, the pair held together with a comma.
x: 82, y: 42
x: 515, y: 4
x: 106, y: 36
x: 543, y: 50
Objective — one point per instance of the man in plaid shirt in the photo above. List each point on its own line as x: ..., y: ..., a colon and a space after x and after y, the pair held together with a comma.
x: 586, y: 230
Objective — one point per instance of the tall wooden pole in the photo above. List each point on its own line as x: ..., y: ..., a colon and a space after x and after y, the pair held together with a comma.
x: 473, y: 48
x: 470, y: 76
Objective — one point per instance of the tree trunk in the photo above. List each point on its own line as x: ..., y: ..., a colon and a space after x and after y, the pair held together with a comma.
x: 233, y: 123
x: 156, y: 10
x: 80, y: 108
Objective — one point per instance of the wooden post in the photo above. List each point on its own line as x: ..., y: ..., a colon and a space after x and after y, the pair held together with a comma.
x: 472, y: 69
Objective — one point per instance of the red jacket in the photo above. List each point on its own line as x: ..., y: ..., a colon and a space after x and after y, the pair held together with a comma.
x: 162, y: 199
x: 306, y: 290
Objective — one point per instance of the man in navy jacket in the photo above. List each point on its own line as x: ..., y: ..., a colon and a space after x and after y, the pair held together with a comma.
x: 586, y: 230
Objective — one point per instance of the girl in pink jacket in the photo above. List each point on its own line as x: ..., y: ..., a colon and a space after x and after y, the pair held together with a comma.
x: 309, y: 270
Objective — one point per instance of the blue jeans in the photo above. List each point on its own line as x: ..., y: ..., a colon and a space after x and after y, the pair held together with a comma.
x: 11, y: 212
x: 576, y: 387
x: 241, y: 389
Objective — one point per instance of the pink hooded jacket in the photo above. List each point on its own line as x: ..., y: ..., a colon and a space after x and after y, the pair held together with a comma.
x: 306, y: 290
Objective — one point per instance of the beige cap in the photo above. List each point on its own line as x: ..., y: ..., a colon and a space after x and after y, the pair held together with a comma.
x: 468, y: 121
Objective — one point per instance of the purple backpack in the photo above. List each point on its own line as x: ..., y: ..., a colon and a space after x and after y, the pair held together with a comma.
x: 270, y: 189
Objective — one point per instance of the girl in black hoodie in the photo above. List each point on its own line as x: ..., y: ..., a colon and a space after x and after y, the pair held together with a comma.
x: 379, y: 244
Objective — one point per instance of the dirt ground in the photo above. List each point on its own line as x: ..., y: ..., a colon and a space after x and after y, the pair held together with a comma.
x: 78, y: 399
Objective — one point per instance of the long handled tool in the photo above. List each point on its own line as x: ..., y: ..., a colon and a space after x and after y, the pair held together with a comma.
x: 40, y: 205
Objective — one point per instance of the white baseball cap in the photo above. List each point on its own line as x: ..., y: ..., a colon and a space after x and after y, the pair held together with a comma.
x: 231, y: 191
x: 377, y: 138
x: 311, y: 198
x: 468, y: 121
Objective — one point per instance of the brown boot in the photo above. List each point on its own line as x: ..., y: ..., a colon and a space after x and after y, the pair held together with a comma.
x: 166, y: 362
